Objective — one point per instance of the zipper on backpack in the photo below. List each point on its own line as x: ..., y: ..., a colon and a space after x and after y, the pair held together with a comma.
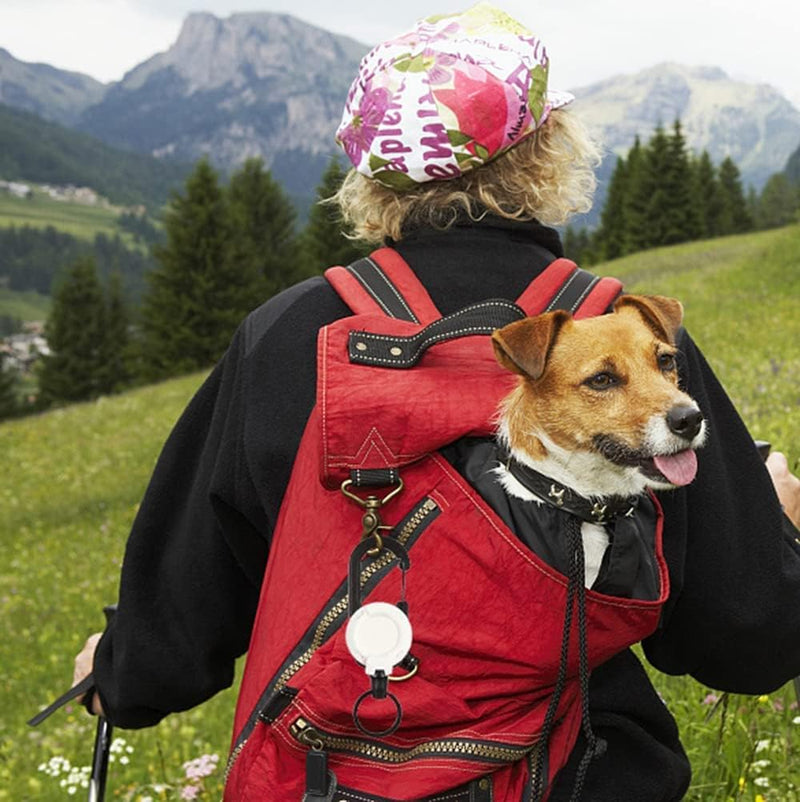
x: 339, y: 609
x: 454, y: 748
x: 330, y: 620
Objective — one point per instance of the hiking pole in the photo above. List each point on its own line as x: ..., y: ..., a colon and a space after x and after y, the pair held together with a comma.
x: 102, y: 748
x: 102, y: 742
x: 102, y: 739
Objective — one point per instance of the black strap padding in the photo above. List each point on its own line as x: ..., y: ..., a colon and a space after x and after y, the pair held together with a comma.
x: 375, y: 281
x: 375, y: 477
x: 389, y: 351
x: 574, y: 291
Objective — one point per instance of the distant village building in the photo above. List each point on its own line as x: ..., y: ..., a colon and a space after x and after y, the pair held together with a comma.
x: 84, y: 195
x: 16, y: 189
x: 22, y: 350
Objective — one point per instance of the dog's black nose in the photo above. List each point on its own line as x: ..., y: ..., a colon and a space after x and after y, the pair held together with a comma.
x: 685, y: 421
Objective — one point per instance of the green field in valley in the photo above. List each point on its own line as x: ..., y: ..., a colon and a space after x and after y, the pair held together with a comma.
x: 27, y: 305
x: 41, y: 210
x: 73, y: 479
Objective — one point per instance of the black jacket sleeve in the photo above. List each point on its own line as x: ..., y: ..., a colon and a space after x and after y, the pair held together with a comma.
x: 177, y: 555
x: 733, y: 617
x: 197, y: 550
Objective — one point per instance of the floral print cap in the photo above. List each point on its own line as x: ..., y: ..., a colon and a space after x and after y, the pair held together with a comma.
x: 450, y: 95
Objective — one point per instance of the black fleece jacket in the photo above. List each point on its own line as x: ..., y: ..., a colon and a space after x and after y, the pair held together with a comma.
x: 198, y: 548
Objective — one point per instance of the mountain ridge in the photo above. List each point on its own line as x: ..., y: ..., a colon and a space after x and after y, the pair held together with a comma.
x: 270, y: 85
x: 54, y: 94
x: 754, y: 124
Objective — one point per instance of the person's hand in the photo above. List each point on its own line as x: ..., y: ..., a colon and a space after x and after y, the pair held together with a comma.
x: 84, y: 663
x: 787, y: 486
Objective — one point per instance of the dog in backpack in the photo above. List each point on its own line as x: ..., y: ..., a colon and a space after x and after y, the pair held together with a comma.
x: 598, y: 409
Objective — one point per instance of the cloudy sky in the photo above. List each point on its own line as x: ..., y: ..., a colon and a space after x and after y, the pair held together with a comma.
x: 587, y: 39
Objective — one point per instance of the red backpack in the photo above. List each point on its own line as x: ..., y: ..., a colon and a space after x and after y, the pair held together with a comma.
x: 489, y: 702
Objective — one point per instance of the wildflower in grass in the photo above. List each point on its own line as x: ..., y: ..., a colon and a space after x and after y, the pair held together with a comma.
x: 763, y: 699
x: 761, y: 782
x: 711, y: 699
x: 201, y: 767
x: 762, y: 745
x: 742, y: 783
x: 759, y: 798
x: 70, y: 778
x: 796, y: 720
x: 119, y: 750
x: 190, y: 792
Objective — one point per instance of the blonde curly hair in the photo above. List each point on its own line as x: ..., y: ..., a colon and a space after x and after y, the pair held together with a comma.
x: 548, y: 177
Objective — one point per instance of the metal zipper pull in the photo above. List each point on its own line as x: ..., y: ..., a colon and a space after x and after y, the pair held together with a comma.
x: 320, y: 781
x: 317, y: 778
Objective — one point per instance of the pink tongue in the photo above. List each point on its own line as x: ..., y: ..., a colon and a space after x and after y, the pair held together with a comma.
x: 679, y: 468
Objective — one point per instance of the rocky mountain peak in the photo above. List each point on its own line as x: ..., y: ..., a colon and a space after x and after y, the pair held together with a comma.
x: 211, y: 52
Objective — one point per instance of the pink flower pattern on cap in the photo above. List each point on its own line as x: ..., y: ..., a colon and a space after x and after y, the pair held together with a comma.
x: 449, y: 96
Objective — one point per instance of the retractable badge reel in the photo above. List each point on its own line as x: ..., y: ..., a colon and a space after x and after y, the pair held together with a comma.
x: 379, y: 634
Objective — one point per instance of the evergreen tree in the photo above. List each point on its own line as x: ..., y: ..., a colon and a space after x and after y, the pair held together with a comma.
x: 709, y: 195
x: 612, y: 237
x: 75, y: 332
x: 734, y: 217
x: 778, y: 203
x: 641, y: 186
x: 324, y: 242
x: 9, y: 403
x: 578, y: 246
x: 115, y: 372
x: 681, y: 212
x: 186, y: 319
x: 264, y: 249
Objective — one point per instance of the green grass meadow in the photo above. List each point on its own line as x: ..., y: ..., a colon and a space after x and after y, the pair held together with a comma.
x: 41, y: 211
x: 24, y: 305
x: 73, y: 479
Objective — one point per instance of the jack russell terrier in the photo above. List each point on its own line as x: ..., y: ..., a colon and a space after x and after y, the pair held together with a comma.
x: 598, y: 413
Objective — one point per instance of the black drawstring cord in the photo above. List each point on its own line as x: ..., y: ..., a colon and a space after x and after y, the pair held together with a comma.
x: 576, y: 589
x: 595, y: 747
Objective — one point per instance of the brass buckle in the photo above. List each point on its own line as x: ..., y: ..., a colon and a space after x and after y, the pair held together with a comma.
x: 371, y: 520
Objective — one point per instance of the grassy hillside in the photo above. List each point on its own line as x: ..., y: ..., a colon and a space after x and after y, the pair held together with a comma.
x: 74, y: 477
x: 41, y: 211
x: 741, y: 297
x: 24, y: 306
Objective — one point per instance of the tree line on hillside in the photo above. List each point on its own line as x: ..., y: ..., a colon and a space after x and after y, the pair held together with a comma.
x: 226, y: 249
x: 662, y: 194
x: 47, y: 153
x: 35, y: 258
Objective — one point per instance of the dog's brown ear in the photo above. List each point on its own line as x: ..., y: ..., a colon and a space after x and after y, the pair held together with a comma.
x: 523, y: 346
x: 663, y: 315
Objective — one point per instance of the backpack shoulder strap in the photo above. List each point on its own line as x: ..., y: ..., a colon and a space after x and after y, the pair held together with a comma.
x: 564, y: 285
x: 383, y: 283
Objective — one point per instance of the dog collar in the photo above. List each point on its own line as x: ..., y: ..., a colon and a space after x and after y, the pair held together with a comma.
x: 600, y: 511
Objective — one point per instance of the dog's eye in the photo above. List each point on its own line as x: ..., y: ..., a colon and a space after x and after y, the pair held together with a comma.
x: 666, y: 361
x: 602, y: 381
